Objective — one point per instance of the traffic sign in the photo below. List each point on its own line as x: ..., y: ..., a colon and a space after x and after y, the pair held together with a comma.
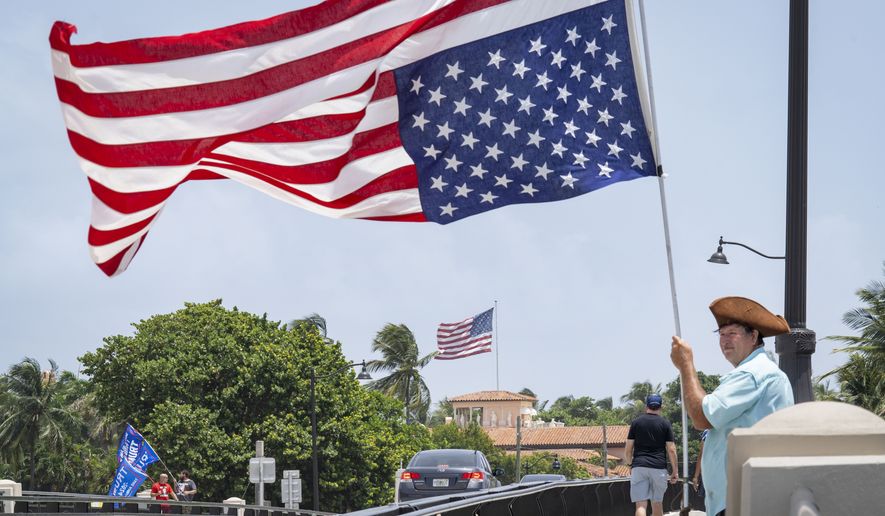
x: 263, y: 470
x: 290, y: 487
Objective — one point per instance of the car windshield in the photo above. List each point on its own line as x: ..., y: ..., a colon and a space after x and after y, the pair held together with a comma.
x: 450, y: 459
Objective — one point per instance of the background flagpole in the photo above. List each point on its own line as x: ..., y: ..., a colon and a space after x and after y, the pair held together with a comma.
x: 654, y: 123
x: 497, y: 350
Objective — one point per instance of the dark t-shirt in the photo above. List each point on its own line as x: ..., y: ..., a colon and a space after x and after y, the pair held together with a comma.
x: 650, y: 434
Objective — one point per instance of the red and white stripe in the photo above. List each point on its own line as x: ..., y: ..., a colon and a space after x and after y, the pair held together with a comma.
x: 301, y: 106
x: 454, y: 340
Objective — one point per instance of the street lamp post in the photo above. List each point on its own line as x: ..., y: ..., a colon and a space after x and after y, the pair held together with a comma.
x: 364, y: 375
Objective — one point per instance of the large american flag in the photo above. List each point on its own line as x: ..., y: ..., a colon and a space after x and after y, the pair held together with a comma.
x: 397, y: 110
x: 471, y: 336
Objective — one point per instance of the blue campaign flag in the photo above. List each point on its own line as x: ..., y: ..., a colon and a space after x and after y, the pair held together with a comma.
x: 126, y: 480
x: 135, y: 450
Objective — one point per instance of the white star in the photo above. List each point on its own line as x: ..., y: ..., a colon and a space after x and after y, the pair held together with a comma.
x: 543, y: 81
x: 438, y: 183
x: 461, y: 106
x: 598, y: 83
x: 592, y: 139
x: 526, y: 105
x: 454, y: 71
x: 638, y: 161
x: 535, y: 139
x: 436, y: 96
x: 604, y: 170
x: 520, y: 69
x: 583, y: 105
x: 614, y: 150
x: 543, y: 170
x: 420, y: 121
x: 502, y: 180
x: 604, y: 117
x: 569, y: 180
x: 416, y: 85
x: 564, y: 93
x: 618, y: 94
x: 462, y: 190
x: 448, y: 209
x: 573, y: 36
x: 580, y: 159
x: 487, y: 117
x: 503, y: 94
x: 577, y: 71
x: 537, y: 46
x: 529, y: 189
x: 612, y: 60
x: 570, y: 128
x: 518, y: 162
x: 608, y: 24
x: 510, y: 129
x: 549, y: 115
x: 488, y: 197
x: 558, y: 149
x: 431, y: 152
x: 628, y: 129
x: 468, y: 140
x: 478, y: 171
x: 495, y: 59
x: 444, y: 131
x: 476, y: 83
x: 592, y: 48
x: 557, y: 59
x: 493, y: 152
x: 453, y: 163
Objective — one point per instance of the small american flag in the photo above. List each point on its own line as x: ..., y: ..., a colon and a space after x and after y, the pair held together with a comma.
x: 471, y: 336
x: 396, y: 110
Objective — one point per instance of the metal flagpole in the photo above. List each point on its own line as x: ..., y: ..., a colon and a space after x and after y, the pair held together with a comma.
x: 497, y: 350
x: 654, y: 123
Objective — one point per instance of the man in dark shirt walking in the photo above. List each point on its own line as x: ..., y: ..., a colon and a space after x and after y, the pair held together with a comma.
x: 649, y: 443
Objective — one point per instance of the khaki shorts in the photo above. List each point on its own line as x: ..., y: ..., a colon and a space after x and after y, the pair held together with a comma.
x: 648, y: 484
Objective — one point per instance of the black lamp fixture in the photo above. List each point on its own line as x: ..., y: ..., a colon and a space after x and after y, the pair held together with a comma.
x: 556, y: 464
x: 719, y: 256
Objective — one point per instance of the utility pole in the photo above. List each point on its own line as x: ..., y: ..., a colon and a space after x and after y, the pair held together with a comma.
x: 518, y: 444
x: 259, y: 487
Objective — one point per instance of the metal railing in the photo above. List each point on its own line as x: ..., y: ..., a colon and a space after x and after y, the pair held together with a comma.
x: 603, y: 497
x: 67, y: 503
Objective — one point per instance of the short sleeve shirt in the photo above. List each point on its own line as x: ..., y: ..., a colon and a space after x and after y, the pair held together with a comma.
x: 650, y: 434
x: 185, y: 485
x: 751, y: 391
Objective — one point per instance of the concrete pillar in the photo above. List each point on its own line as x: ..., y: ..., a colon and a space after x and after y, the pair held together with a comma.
x: 835, y: 451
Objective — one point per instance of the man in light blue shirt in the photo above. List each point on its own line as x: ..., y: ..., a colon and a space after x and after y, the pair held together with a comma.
x: 752, y: 390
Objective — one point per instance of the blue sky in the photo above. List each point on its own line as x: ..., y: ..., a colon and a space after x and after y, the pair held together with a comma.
x: 584, y: 302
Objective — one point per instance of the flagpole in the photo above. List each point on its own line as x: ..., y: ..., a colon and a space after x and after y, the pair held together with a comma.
x: 497, y: 350
x: 667, y: 242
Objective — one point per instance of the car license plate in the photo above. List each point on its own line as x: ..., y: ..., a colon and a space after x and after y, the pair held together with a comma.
x: 440, y: 482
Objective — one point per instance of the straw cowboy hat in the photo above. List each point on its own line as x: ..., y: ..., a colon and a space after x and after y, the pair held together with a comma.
x: 733, y: 309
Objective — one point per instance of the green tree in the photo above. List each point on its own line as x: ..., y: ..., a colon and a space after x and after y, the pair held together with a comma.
x: 443, y: 410
x: 399, y: 352
x: 572, y: 411
x: 33, y: 412
x: 672, y: 411
x: 314, y: 320
x: 204, y: 383
x: 862, y: 377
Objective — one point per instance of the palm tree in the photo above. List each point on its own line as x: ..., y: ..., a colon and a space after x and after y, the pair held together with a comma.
x: 862, y: 378
x: 314, y: 320
x: 399, y: 350
x: 638, y: 392
x: 32, y: 411
x: 869, y: 321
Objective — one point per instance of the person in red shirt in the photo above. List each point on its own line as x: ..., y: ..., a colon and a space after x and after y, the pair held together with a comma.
x: 161, y: 490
